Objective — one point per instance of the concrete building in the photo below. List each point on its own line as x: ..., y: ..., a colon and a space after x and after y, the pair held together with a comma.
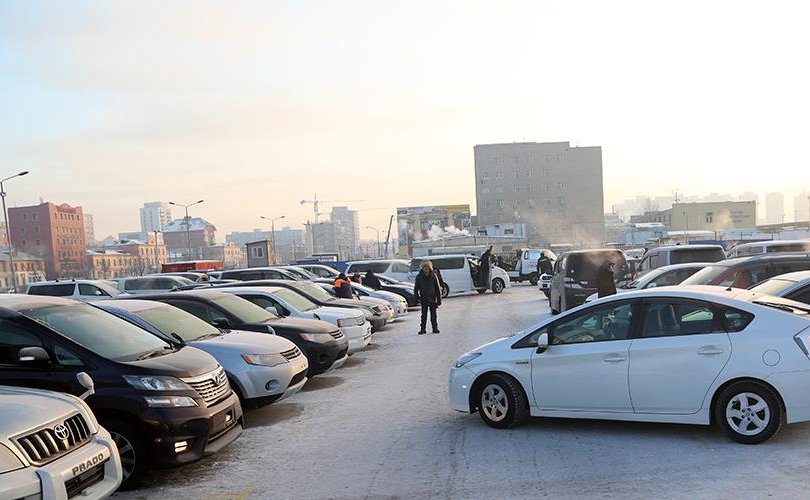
x: 150, y: 252
x: 414, y: 223
x: 155, y: 215
x: 704, y: 216
x: 231, y: 255
x: 555, y: 189
x: 259, y: 253
x: 28, y: 269
x: 347, y: 228
x: 774, y: 208
x: 339, y: 235
x: 179, y: 235
x: 801, y: 207
x: 89, y: 230
x: 289, y: 242
x: 51, y: 232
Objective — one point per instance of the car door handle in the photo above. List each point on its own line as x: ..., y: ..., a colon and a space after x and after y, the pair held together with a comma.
x: 709, y: 350
x: 614, y: 358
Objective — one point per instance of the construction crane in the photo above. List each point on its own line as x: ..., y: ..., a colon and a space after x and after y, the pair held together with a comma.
x: 315, y: 203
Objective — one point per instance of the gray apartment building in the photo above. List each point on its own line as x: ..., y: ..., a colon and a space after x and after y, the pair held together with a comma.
x: 555, y: 189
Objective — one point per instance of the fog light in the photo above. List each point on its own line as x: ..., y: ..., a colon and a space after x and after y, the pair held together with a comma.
x: 180, y: 446
x: 273, y: 385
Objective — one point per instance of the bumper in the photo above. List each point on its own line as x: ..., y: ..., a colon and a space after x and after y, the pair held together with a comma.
x: 792, y: 386
x: 204, y: 430
x: 92, y: 471
x: 358, y: 337
x: 339, y: 362
x: 461, y: 380
x: 264, y: 384
x: 321, y: 356
x: 377, y: 322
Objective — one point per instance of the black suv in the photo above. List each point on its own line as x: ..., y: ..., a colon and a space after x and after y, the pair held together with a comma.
x: 323, y: 344
x: 745, y: 272
x: 164, y: 404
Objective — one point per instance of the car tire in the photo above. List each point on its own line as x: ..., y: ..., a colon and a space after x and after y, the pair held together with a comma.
x: 498, y: 285
x: 533, y: 279
x: 130, y: 449
x: 445, y: 290
x: 502, y: 402
x: 749, y: 412
x: 481, y: 291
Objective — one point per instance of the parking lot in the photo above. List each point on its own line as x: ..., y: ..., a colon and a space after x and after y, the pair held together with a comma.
x: 380, y: 427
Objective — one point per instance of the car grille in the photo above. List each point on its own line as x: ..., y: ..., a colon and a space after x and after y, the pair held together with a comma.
x: 213, y: 387
x: 361, y: 320
x: 87, y: 479
x: 292, y: 353
x: 55, y: 439
x: 337, y: 334
x: 298, y: 377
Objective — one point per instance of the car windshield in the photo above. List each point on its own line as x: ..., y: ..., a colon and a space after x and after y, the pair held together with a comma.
x: 107, y: 288
x: 295, y: 300
x: 705, y: 276
x: 168, y: 320
x: 245, y: 311
x: 774, y: 286
x: 315, y: 291
x: 100, y: 332
x: 583, y: 266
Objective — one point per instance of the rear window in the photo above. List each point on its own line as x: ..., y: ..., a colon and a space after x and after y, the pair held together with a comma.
x: 686, y: 255
x: 583, y: 266
x: 64, y: 290
x: 736, y: 320
x: 377, y: 267
x: 793, y: 247
x: 451, y: 263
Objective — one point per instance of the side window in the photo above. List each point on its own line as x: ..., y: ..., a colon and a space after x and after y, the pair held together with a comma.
x: 610, y: 322
x: 665, y: 279
x: 92, y: 290
x: 655, y: 261
x: 736, y: 320
x: 65, y: 357
x: 202, y: 311
x: 674, y: 318
x: 12, y: 339
x: 272, y: 275
x: 135, y: 284
x: 802, y: 295
x: 452, y: 263
x: 265, y: 302
x: 60, y: 290
x: 251, y: 275
x: 398, y: 267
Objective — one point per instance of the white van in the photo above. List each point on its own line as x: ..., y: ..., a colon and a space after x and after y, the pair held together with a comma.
x: 771, y: 246
x: 393, y: 268
x: 460, y: 274
x: 679, y: 254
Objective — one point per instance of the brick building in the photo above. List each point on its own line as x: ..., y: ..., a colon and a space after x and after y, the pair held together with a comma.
x: 51, y: 232
x: 200, y: 234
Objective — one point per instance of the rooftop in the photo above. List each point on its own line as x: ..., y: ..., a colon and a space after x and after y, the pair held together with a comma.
x: 178, y: 225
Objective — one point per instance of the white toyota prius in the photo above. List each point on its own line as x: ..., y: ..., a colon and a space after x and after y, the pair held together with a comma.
x: 691, y: 355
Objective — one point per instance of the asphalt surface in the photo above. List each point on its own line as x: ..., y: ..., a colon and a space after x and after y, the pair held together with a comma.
x: 380, y: 427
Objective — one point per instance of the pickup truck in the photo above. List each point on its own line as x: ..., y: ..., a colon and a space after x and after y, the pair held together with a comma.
x: 51, y: 446
x: 525, y: 264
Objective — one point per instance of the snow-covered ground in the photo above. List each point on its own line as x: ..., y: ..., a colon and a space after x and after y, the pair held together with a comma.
x: 380, y: 427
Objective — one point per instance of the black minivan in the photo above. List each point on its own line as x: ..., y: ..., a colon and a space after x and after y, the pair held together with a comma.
x: 574, y: 277
x: 164, y: 404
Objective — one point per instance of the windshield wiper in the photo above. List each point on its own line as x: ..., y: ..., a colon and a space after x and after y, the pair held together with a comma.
x: 783, y: 307
x: 152, y: 354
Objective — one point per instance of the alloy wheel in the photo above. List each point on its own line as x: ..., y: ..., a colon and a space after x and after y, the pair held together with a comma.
x: 748, y: 414
x: 127, y: 453
x: 494, y: 402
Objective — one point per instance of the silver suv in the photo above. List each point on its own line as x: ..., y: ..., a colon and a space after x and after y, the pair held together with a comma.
x: 51, y: 446
x: 87, y: 290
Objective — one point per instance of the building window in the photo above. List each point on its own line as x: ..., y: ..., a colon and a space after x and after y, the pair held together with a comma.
x: 516, y: 173
x: 498, y: 175
x: 530, y: 203
x: 561, y: 200
x: 499, y: 189
x: 500, y: 203
x: 36, y: 229
x: 485, y: 190
x: 25, y: 216
x: 517, y: 188
x: 34, y: 216
x: 560, y: 185
x: 24, y: 243
x: 530, y: 173
x: 38, y: 242
x: 709, y: 217
x: 257, y: 252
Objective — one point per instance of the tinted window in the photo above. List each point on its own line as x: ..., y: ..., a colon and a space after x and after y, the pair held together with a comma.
x: 201, y: 310
x: 242, y: 309
x: 265, y: 303
x: 103, y: 333
x: 788, y: 267
x: 605, y: 323
x: 706, y: 275
x: 673, y: 318
x: 802, y: 295
x: 583, y: 266
x: 686, y: 255
x: 66, y: 357
x: 12, y: 339
x: 451, y: 263
x: 736, y: 320
x: 794, y: 247
x: 377, y: 267
x: 398, y: 267
x: 139, y: 284
x: 61, y: 290
x: 315, y: 291
x: 92, y: 290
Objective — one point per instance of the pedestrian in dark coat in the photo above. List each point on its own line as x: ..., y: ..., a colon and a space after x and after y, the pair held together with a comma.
x: 605, y: 284
x: 343, y: 287
x: 428, y: 292
x: 544, y: 265
x: 371, y: 280
x: 483, y: 271
x: 356, y: 277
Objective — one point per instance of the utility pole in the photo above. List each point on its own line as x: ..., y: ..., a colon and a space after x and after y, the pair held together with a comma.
x: 686, y: 231
x: 187, y: 220
x: 8, y: 230
x: 157, y: 252
x: 379, y: 248
x: 273, y: 233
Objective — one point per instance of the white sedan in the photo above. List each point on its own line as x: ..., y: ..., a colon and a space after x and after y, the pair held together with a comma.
x: 285, y: 302
x: 692, y: 355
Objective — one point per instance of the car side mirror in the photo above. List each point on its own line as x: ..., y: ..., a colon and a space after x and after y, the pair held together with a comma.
x: 652, y: 285
x: 33, y: 356
x: 542, y: 342
x: 86, y: 382
x: 222, y: 323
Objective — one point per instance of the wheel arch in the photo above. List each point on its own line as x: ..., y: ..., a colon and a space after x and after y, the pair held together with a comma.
x: 479, y: 381
x: 732, y: 381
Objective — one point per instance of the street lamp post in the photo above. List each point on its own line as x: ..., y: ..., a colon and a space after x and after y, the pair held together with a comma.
x: 686, y: 232
x: 157, y: 252
x: 8, y: 230
x: 379, y: 249
x: 273, y: 232
x: 188, y: 222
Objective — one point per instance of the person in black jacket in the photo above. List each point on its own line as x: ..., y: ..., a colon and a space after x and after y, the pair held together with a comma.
x: 343, y: 287
x: 371, y: 280
x: 483, y: 271
x: 605, y: 284
x: 428, y: 292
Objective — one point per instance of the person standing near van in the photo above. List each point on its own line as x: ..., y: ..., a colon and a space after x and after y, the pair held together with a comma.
x: 544, y: 265
x: 605, y: 283
x: 371, y: 280
x: 428, y: 292
x: 483, y: 271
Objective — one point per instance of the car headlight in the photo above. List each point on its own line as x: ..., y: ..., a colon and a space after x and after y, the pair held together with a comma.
x: 8, y: 460
x: 316, y: 337
x: 264, y: 359
x: 350, y: 322
x: 466, y: 358
x: 170, y: 401
x: 161, y: 383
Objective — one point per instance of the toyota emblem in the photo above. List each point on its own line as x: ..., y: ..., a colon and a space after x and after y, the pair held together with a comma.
x: 61, y: 431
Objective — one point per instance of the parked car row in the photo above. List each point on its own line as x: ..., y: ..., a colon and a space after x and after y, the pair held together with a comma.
x: 173, y: 369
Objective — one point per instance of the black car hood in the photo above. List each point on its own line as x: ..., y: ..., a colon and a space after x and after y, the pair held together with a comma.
x: 301, y: 325
x: 185, y: 362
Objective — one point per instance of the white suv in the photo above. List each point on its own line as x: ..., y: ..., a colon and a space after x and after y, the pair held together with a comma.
x: 51, y: 447
x: 86, y: 290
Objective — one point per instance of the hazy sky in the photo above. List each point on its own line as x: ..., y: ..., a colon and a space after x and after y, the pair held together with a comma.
x: 256, y: 105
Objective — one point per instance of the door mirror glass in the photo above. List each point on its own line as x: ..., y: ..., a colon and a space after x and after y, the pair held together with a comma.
x: 86, y: 382
x: 33, y: 356
x: 542, y: 341
x: 221, y: 322
x: 652, y: 285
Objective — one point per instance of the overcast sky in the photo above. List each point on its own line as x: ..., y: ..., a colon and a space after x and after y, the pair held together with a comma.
x: 257, y: 105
